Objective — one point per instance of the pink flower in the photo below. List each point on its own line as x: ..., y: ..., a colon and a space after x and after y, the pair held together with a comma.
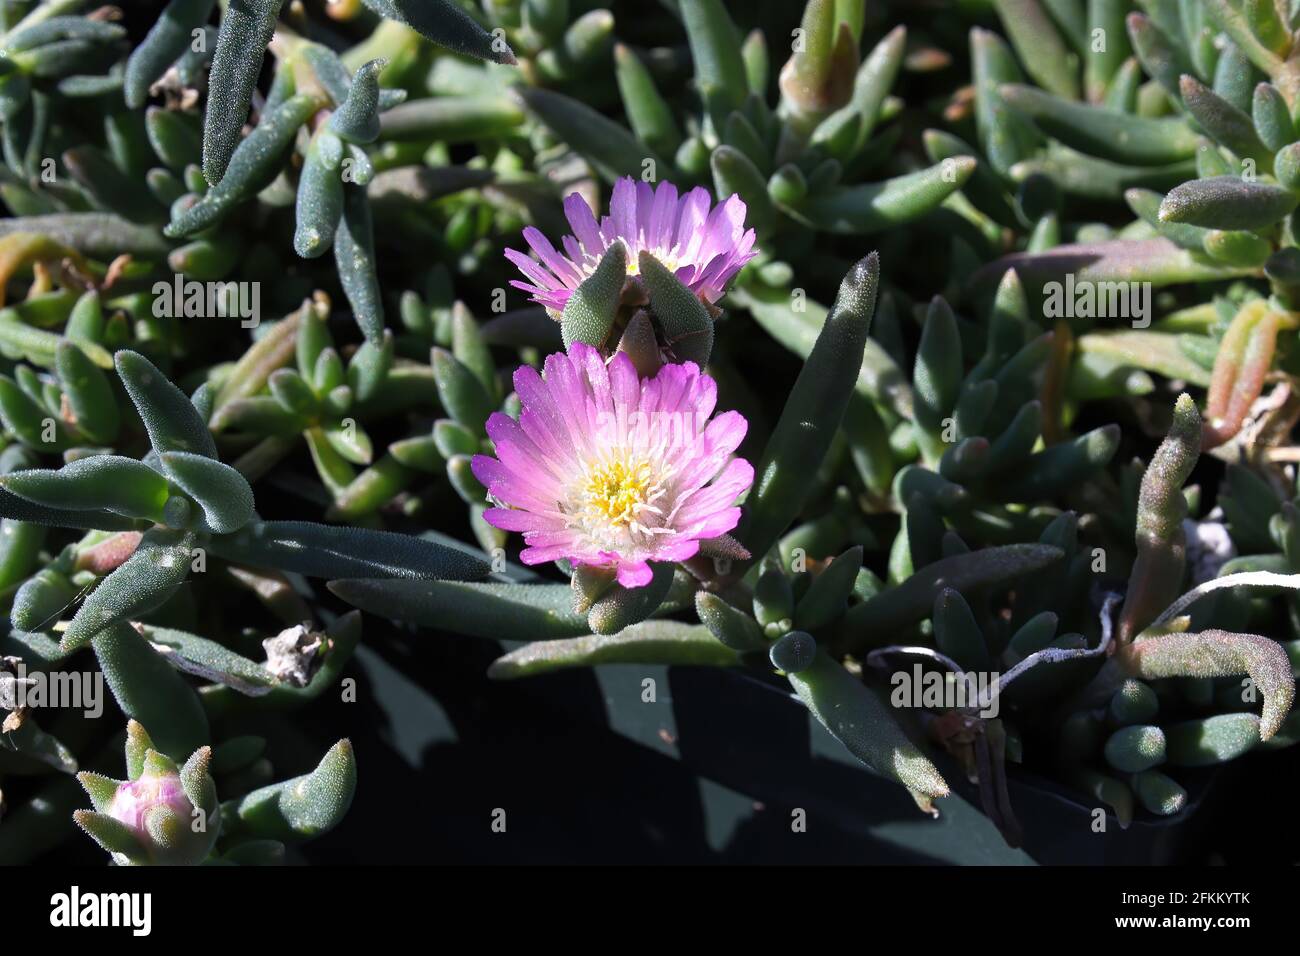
x: 611, y: 471
x: 704, y: 247
x: 137, y: 799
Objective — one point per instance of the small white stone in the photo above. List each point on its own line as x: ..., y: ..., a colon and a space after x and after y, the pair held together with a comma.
x: 291, y: 655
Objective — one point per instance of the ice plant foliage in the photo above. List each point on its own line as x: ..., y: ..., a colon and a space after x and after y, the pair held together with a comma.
x: 927, y: 492
x: 702, y: 244
x: 170, y: 814
x: 607, y: 470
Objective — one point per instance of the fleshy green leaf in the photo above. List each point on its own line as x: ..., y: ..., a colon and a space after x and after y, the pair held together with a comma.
x: 1220, y: 654
x: 144, y: 581
x: 111, y: 483
x: 591, y: 309
x: 446, y: 24
x: 327, y: 551
x: 857, y: 717
x: 301, y: 808
x: 649, y: 642
x: 246, y: 28
x: 169, y: 417
x: 488, y: 609
x: 812, y: 413
x: 150, y: 691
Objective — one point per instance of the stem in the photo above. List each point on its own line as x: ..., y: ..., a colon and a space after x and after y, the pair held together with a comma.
x: 1258, y: 579
x: 264, y: 456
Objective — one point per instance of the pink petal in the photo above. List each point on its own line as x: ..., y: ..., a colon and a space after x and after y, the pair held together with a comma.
x: 507, y: 486
x: 718, y: 523
x: 583, y: 222
x: 623, y: 382
x: 562, y: 267
x: 663, y: 217
x: 634, y: 574
x: 693, y: 210
x: 722, y: 494
x: 531, y: 556
x: 512, y: 519
x: 678, y: 549
x: 531, y: 269
x: 645, y: 197
x: 622, y: 209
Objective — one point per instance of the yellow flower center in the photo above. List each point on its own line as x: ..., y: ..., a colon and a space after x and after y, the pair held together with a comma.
x: 666, y: 259
x: 615, y: 492
x: 668, y: 262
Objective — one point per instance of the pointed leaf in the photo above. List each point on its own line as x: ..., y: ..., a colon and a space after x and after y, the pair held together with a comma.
x: 488, y: 609
x: 246, y: 28
x: 856, y: 716
x: 590, y: 312
x: 112, y: 483
x: 109, y: 833
x: 357, y: 118
x: 1105, y: 133
x: 304, y: 807
x: 319, y: 205
x: 874, y: 207
x: 649, y: 642
x: 1227, y: 202
x: 686, y: 323
x: 873, y: 622
x: 149, y: 691
x: 101, y: 789
x: 446, y: 24
x: 731, y: 626
x: 169, y: 417
x: 255, y: 163
x: 318, y: 550
x: 167, y: 40
x: 354, y: 258
x: 612, y: 151
x: 143, y: 582
x: 223, y: 493
x: 1220, y: 654
x: 812, y: 413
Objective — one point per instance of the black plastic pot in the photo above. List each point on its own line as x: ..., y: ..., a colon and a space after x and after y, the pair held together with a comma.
x: 440, y: 748
x: 712, y: 769
x: 752, y: 738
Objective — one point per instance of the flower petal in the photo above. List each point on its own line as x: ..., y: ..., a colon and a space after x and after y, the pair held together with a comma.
x: 634, y: 574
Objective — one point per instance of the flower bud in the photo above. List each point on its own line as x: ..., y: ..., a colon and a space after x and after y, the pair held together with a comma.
x: 161, y: 816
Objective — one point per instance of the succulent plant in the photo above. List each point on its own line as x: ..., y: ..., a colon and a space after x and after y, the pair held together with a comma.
x: 955, y: 351
x: 161, y: 814
x: 165, y: 815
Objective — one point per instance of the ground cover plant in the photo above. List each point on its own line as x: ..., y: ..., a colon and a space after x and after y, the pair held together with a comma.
x: 932, y: 363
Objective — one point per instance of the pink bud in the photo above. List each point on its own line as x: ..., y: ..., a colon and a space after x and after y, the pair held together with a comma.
x: 137, y: 799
